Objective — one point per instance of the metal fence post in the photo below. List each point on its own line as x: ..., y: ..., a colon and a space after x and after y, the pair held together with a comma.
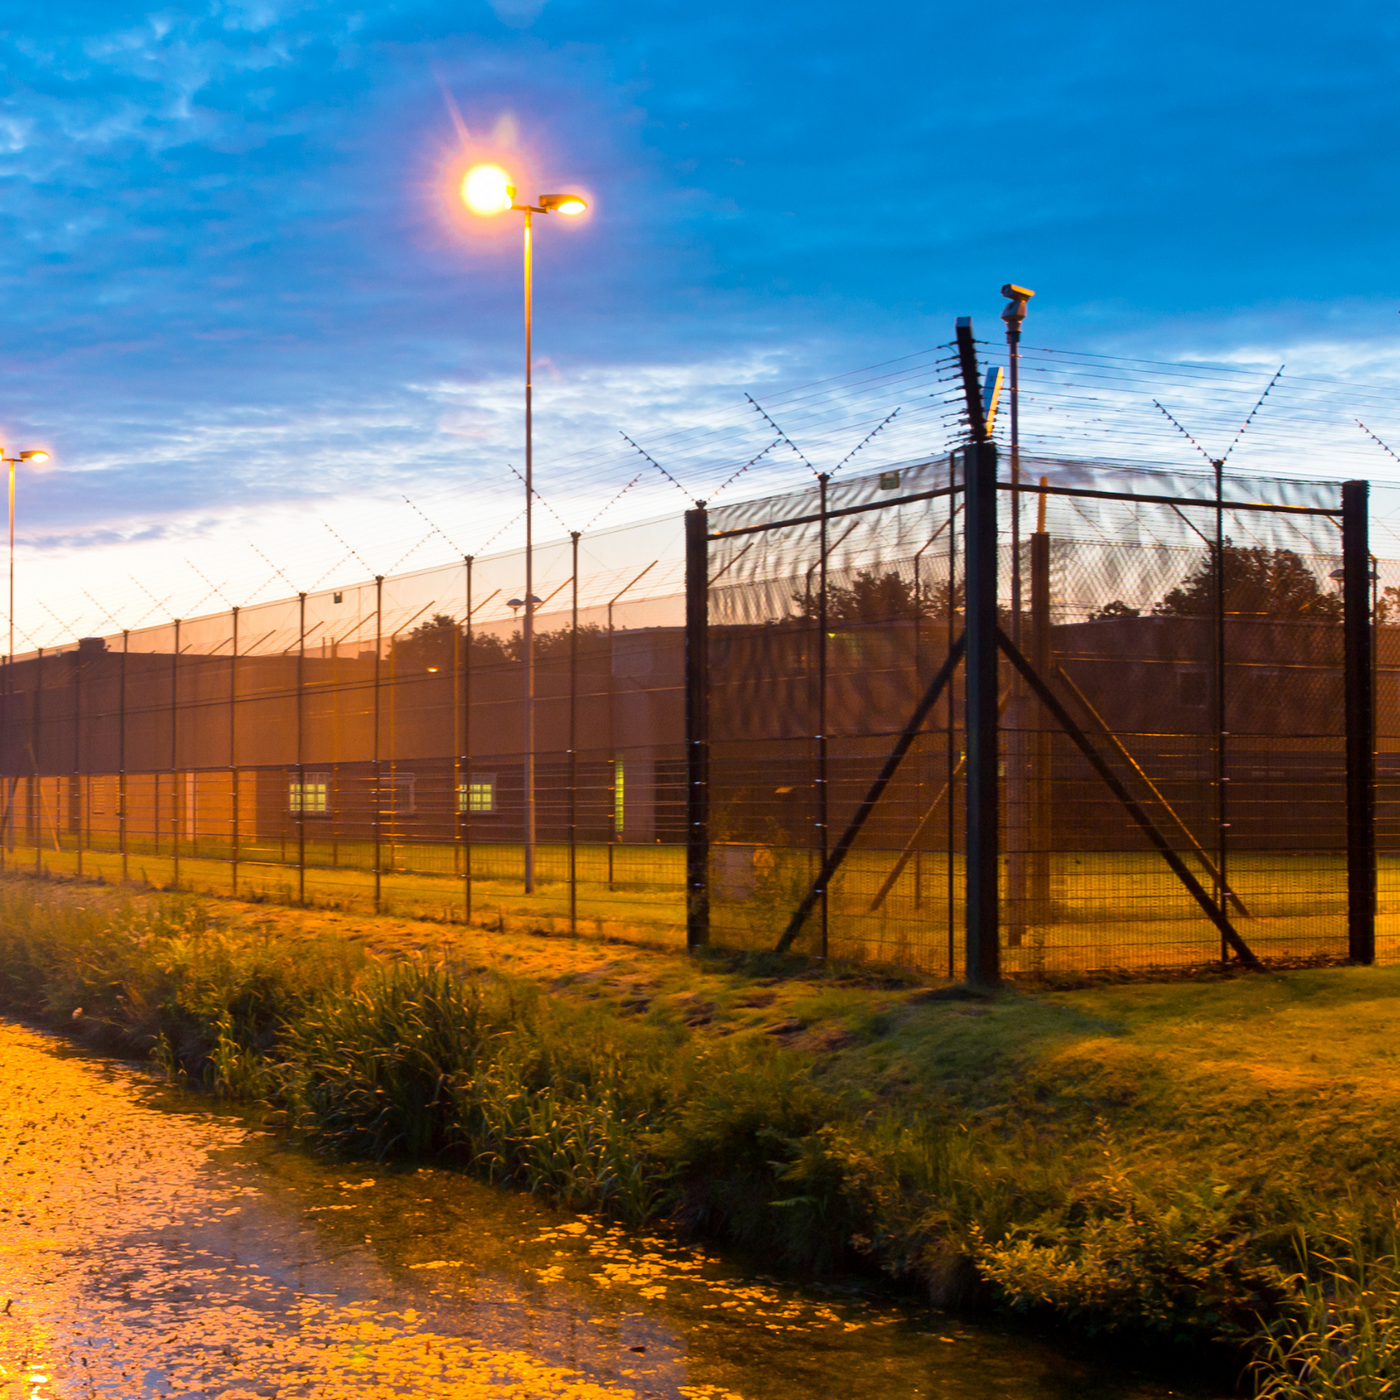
x: 76, y: 796
x: 1222, y: 733
x: 464, y: 800
x: 980, y: 494
x: 1038, y: 866
x: 376, y: 796
x: 573, y: 738
x: 36, y: 796
x: 697, y: 727
x: 233, y: 756
x: 983, y: 854
x: 301, y: 750
x: 1360, y: 723
x: 823, y: 797
x: 175, y: 759
x: 951, y: 747
x: 121, y: 759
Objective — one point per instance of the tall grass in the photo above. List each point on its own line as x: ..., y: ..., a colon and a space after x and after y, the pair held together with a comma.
x: 1341, y: 1340
x: 731, y: 1135
x: 408, y: 1059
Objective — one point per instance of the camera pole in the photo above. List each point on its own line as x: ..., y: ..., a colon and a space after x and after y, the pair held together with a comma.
x: 1018, y: 786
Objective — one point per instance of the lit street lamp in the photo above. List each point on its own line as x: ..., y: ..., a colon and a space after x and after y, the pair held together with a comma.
x: 486, y: 190
x: 35, y: 455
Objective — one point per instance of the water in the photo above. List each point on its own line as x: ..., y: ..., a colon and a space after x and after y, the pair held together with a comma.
x: 153, y: 1247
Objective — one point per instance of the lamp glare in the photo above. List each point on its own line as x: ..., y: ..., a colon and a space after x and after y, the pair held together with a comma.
x: 486, y: 190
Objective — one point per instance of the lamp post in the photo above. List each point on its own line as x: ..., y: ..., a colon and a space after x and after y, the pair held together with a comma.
x: 35, y: 455
x: 1014, y: 315
x: 486, y: 190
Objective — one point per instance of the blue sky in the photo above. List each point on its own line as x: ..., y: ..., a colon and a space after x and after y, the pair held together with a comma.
x: 240, y: 301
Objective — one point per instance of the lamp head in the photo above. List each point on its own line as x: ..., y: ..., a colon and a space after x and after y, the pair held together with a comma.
x: 36, y: 455
x: 570, y: 204
x: 486, y: 190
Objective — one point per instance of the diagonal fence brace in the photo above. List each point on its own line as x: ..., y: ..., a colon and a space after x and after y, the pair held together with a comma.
x: 1135, y: 809
x: 907, y: 854
x: 1122, y: 751
x: 877, y: 788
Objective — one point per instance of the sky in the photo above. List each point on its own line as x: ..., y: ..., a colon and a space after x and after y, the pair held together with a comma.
x: 269, y: 351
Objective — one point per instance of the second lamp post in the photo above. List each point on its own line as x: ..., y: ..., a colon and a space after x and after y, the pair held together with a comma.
x: 37, y: 455
x: 487, y: 190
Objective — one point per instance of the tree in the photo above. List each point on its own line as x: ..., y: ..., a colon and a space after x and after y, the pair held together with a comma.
x: 1259, y: 582
x: 876, y: 597
x: 1117, y: 608
x: 432, y: 645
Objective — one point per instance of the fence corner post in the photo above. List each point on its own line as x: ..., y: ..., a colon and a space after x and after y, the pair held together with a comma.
x: 1358, y: 677
x: 697, y: 727
x: 979, y: 458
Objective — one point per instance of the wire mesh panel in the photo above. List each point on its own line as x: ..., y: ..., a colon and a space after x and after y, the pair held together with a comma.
x: 829, y: 611
x: 1176, y: 745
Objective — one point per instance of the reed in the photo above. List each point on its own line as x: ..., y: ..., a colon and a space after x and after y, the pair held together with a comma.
x: 1341, y: 1338
x: 1058, y: 1204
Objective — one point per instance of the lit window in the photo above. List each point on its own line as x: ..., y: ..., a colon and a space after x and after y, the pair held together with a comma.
x: 477, y: 795
x: 311, y: 798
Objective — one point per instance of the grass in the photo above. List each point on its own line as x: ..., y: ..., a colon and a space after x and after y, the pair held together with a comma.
x: 1148, y: 1160
x: 1113, y: 911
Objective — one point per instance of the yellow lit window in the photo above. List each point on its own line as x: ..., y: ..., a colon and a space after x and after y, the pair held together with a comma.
x: 311, y: 798
x: 478, y: 795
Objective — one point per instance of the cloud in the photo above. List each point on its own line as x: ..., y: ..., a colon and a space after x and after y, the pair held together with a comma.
x: 239, y: 296
x: 519, y: 14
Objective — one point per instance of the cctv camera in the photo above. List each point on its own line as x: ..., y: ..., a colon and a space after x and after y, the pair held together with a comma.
x: 1016, y: 293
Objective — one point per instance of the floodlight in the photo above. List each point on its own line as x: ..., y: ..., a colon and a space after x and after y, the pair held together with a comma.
x: 486, y: 189
x: 563, y: 203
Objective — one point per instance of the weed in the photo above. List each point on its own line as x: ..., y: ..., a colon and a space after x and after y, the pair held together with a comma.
x: 1341, y: 1340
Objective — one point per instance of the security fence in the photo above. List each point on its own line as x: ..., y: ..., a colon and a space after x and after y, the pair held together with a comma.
x: 1101, y: 717
x: 1166, y: 722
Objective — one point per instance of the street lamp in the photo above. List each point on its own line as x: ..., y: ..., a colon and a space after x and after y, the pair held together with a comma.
x: 486, y: 190
x: 35, y: 455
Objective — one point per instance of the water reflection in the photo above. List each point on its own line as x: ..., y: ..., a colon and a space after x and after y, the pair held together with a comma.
x: 157, y: 1248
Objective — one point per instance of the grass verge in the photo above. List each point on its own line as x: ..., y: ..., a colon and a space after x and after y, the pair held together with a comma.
x: 1183, y: 1162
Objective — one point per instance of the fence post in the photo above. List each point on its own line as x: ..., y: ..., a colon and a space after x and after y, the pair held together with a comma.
x: 36, y: 796
x: 951, y: 746
x: 121, y: 759
x: 823, y: 797
x: 980, y: 495
x: 233, y: 756
x: 75, y: 796
x: 175, y: 759
x: 1360, y: 723
x: 573, y: 737
x: 464, y: 799
x: 301, y: 750
x: 1038, y: 866
x: 376, y: 796
x: 697, y: 727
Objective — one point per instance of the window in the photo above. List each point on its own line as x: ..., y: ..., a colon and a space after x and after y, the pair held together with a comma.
x: 477, y: 795
x: 311, y: 798
x: 396, y: 794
